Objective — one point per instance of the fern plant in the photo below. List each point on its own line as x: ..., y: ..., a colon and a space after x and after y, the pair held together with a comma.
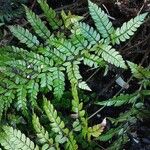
x: 13, y: 139
x: 49, y: 58
x: 124, y: 122
x: 42, y: 66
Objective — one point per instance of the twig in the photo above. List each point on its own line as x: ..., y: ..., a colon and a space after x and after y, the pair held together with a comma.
x: 96, y: 112
x: 33, y: 4
x: 92, y: 74
x: 108, y: 12
x: 142, y: 7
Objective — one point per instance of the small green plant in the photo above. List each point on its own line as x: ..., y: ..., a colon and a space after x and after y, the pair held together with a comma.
x: 137, y: 109
x: 13, y: 139
x: 49, y: 58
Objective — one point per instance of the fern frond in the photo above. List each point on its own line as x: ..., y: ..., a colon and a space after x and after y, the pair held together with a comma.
x: 76, y: 105
x: 66, y: 47
x: 24, y: 36
x: 78, y: 40
x: 6, y: 94
x: 18, y: 69
x: 32, y: 89
x: 12, y: 139
x: 81, y: 122
x: 5, y: 102
x: 2, y: 106
x: 37, y: 24
x: 50, y: 14
x: 128, y: 29
x: 120, y: 100
x: 127, y: 115
x: 39, y: 60
x: 138, y: 71
x: 83, y: 85
x: 26, y: 55
x: 102, y: 23
x: 94, y: 131
x: 69, y: 19
x: 54, y: 54
x: 71, y: 144
x: 22, y: 100
x: 88, y: 32
x: 73, y: 72
x: 74, y: 75
x: 108, y: 135
x: 58, y: 83
x: 18, y: 50
x: 2, y: 102
x: 42, y: 134
x: 32, y: 65
x: 57, y: 124
x: 110, y: 55
x: 46, y: 80
x: 92, y: 60
x: 11, y: 52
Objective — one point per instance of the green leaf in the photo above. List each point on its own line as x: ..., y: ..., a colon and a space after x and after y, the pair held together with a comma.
x: 83, y: 85
x: 110, y: 55
x: 93, y: 61
x: 70, y: 19
x: 12, y: 139
x: 37, y: 24
x: 66, y: 47
x: 58, y: 126
x: 104, y: 26
x: 58, y: 83
x: 46, y: 80
x: 60, y: 139
x: 128, y: 29
x: 24, y: 36
x: 120, y: 100
x: 56, y: 123
x: 95, y: 131
x: 33, y: 89
x: 6, y: 98
x: 138, y: 71
x: 73, y: 72
x: 108, y: 135
x: 50, y: 14
x: 42, y: 134
x: 71, y: 143
x: 88, y: 32
x: 77, y: 125
x: 22, y: 100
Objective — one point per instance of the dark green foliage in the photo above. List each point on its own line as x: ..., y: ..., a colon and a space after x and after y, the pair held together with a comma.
x: 10, y: 9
